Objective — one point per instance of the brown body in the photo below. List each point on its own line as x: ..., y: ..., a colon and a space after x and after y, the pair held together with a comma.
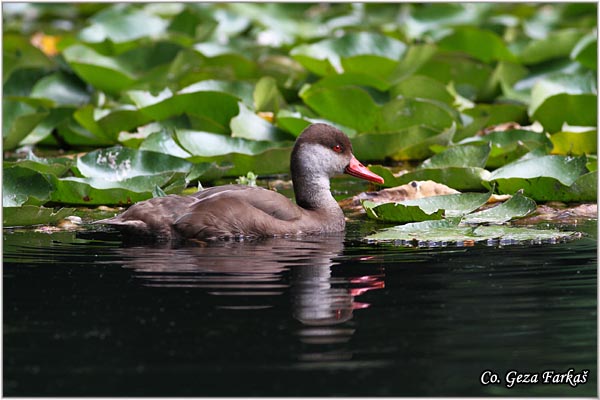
x: 236, y: 211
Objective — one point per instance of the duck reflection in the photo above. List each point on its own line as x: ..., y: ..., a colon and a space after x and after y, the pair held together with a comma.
x: 255, y: 274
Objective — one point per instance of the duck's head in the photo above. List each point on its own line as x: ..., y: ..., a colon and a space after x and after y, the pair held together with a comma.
x: 324, y: 151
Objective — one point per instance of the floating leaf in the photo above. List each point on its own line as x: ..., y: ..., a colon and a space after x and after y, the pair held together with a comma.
x: 122, y: 23
x: 556, y: 44
x: 104, y: 73
x: 22, y: 186
x: 33, y: 215
x: 516, y: 207
x: 508, y: 146
x: 575, y: 143
x: 482, y: 44
x: 262, y: 157
x: 445, y: 232
x: 18, y: 120
x: 19, y: 53
x: 56, y: 166
x: 93, y: 191
x: 350, y: 106
x: 427, y: 208
x: 459, y: 156
x: 411, y: 143
x: 248, y: 125
x: 120, y: 163
x: 565, y: 98
x: 400, y: 212
x: 354, y: 52
x: 547, y: 178
x: 402, y: 113
x: 586, y: 51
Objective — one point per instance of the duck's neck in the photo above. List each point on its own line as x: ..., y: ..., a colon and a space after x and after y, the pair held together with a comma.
x: 313, y: 193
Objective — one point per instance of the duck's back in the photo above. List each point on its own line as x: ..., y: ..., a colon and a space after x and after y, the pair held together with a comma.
x: 213, y: 213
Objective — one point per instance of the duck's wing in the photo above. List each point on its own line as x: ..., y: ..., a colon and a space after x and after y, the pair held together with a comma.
x: 229, y: 211
x: 153, y: 217
x: 267, y: 201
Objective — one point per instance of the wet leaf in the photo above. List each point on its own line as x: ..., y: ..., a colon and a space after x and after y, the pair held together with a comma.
x: 122, y: 23
x: 350, y: 106
x: 104, y: 73
x: 33, y: 215
x: 361, y: 52
x: 61, y: 89
x: 248, y: 125
x: 575, y: 143
x: 94, y: 191
x: 402, y: 113
x: 19, y: 53
x: 445, y: 232
x: 547, y: 178
x: 508, y: 146
x: 554, y: 45
x: 565, y: 98
x: 117, y: 164
x: 586, y: 51
x: 24, y: 186
x: 412, y: 143
x: 56, y: 166
x: 427, y: 208
x: 18, y: 120
x: 261, y: 157
x: 482, y: 44
x: 459, y: 156
x: 516, y: 207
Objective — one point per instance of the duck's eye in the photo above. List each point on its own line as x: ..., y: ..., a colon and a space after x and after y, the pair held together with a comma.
x: 337, y: 148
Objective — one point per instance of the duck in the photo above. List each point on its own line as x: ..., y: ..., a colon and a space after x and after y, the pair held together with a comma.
x: 233, y: 211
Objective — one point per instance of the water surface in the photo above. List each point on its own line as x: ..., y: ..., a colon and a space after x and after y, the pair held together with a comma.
x: 85, y: 315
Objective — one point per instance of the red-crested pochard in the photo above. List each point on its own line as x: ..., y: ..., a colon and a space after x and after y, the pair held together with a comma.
x: 239, y: 211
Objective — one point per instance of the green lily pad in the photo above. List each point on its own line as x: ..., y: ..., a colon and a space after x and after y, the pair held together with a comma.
x: 33, y: 215
x: 18, y: 53
x: 575, y: 143
x: 570, y: 98
x: 427, y: 208
x: 411, y: 143
x: 517, y: 206
x: 94, y: 191
x: 121, y: 163
x: 104, y: 73
x: 56, y: 165
x: 248, y: 125
x: 556, y: 44
x: 482, y: 116
x: 402, y: 113
x: 24, y: 186
x: 508, y: 146
x: 349, y: 106
x: 18, y: 121
x: 459, y: 156
x: 361, y: 52
x: 424, y: 87
x: 122, y: 23
x: 261, y: 157
x: 547, y: 178
x: 586, y: 51
x: 451, y: 232
x: 482, y: 44
x: 267, y: 96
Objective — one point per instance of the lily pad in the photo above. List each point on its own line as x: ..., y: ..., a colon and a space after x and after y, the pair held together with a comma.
x: 517, y: 206
x: 94, y: 191
x: 547, y: 178
x: 33, y: 215
x: 427, y: 208
x: 482, y: 44
x: 24, y: 186
x: 575, y: 143
x: 508, y: 146
x: 451, y: 232
x: 570, y: 98
x: 354, y: 52
x: 117, y: 164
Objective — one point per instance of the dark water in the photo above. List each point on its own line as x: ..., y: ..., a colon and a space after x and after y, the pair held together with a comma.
x: 86, y: 316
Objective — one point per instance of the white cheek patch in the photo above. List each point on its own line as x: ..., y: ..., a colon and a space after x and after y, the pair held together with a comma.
x: 318, y: 160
